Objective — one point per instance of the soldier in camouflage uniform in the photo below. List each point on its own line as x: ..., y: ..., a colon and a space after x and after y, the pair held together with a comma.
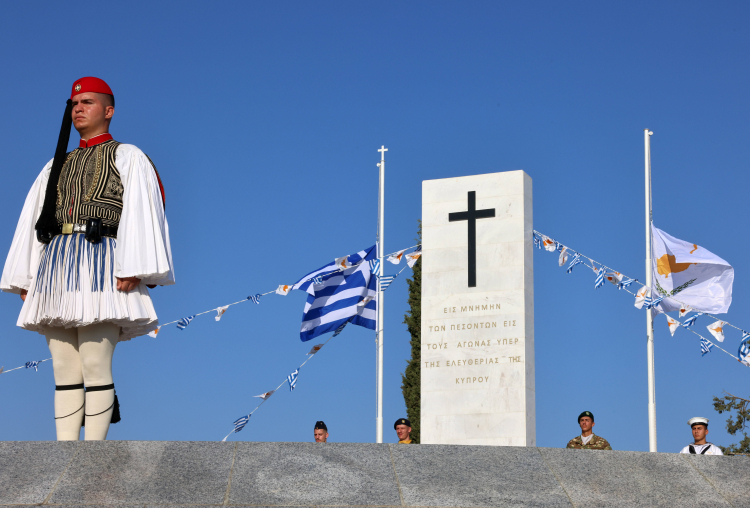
x: 587, y: 440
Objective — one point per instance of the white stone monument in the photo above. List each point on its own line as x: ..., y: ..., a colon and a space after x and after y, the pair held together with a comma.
x: 478, y: 311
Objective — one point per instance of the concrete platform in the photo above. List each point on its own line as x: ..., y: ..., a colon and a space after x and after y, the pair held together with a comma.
x: 155, y: 473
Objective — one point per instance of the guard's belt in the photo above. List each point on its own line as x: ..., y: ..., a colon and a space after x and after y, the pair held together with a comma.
x: 94, y: 230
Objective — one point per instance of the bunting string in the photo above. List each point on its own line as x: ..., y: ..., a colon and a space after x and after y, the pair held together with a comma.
x: 645, y: 299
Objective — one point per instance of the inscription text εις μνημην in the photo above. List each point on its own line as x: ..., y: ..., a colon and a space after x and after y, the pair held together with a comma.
x: 471, y: 308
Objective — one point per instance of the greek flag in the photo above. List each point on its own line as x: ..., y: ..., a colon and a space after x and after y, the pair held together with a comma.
x: 691, y: 320
x: 705, y: 346
x: 182, y: 323
x: 625, y: 283
x: 599, y: 282
x: 292, y: 378
x: 255, y: 299
x: 33, y: 365
x: 575, y: 261
x: 650, y: 304
x: 331, y: 304
x: 240, y: 423
x: 374, y: 266
x: 744, y: 351
x: 537, y: 241
x: 386, y: 281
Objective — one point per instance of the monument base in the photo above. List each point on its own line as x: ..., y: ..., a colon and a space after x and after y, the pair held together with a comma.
x: 145, y: 473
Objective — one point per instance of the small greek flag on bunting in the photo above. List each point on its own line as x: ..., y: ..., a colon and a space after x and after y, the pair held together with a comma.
x: 537, y: 240
x: 374, y: 266
x: 575, y: 261
x: 254, y: 299
x: 650, y: 304
x: 386, y: 281
x: 705, y: 346
x: 182, y: 323
x: 599, y: 282
x: 33, y: 365
x: 691, y: 320
x: 292, y: 378
x: 340, y: 328
x: 744, y: 350
x: 240, y: 423
x: 317, y: 280
x: 625, y: 283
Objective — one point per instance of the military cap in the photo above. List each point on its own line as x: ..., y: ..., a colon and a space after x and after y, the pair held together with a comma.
x: 698, y: 420
x: 586, y: 413
x: 321, y: 425
x: 401, y: 421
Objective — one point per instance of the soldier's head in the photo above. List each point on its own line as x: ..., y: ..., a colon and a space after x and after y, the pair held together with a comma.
x: 320, y: 432
x: 403, y: 429
x: 699, y: 426
x: 93, y: 106
x: 586, y: 421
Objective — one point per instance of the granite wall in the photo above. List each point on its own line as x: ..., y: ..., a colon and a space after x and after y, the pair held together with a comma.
x: 150, y: 473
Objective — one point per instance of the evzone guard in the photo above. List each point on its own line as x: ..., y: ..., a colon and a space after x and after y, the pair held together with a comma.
x: 92, y: 235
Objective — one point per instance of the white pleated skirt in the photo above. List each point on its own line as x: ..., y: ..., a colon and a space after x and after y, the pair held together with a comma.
x: 75, y: 285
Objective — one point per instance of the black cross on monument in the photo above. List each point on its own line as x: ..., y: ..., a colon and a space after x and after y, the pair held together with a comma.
x: 471, y: 216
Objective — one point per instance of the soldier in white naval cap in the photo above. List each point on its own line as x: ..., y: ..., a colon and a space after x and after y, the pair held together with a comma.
x: 699, y: 427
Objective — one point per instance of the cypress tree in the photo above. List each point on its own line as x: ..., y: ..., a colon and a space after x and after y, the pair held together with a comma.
x: 411, y: 386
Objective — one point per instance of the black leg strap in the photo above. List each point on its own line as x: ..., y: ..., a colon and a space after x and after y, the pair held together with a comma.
x: 60, y: 388
x: 100, y: 388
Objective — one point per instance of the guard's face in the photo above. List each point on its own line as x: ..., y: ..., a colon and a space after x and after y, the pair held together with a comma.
x: 321, y: 436
x: 699, y: 432
x: 402, y: 431
x: 90, y: 112
x: 586, y: 423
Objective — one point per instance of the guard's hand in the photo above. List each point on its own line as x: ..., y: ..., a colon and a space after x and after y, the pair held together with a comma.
x: 127, y: 283
x: 23, y: 294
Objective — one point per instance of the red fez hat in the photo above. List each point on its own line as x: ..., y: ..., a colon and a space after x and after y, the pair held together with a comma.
x: 90, y: 84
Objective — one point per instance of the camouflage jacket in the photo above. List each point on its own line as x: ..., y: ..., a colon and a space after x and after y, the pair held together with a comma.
x: 596, y: 443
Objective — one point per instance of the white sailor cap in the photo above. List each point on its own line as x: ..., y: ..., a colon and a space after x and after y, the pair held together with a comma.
x: 698, y: 420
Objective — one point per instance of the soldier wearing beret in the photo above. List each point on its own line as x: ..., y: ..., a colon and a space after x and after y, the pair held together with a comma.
x: 320, y: 432
x: 699, y: 427
x: 588, y: 440
x: 403, y: 430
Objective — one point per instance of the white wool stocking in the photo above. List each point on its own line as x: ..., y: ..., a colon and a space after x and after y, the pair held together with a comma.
x: 83, y: 355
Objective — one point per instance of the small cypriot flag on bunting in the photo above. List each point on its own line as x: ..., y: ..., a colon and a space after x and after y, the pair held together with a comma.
x: 563, y: 256
x: 283, y: 290
x: 342, y: 263
x: 673, y: 324
x: 154, y: 333
x: 549, y: 244
x: 684, y: 309
x: 614, y: 277
x: 640, y: 297
x: 395, y: 258
x: 701, y: 279
x: 315, y: 349
x: 264, y: 396
x: 717, y: 330
x: 412, y: 257
x: 220, y: 312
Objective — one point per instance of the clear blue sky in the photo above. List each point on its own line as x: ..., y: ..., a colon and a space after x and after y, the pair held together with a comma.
x: 264, y: 120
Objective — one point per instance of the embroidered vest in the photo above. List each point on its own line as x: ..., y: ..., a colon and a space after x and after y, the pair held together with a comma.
x: 90, y: 187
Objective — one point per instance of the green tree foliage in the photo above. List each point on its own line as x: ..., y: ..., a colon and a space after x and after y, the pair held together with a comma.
x: 739, y: 414
x: 411, y: 384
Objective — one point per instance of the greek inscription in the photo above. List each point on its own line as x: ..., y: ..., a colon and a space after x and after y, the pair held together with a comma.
x: 465, y: 380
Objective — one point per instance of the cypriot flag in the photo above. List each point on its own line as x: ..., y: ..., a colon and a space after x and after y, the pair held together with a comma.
x: 614, y: 277
x: 315, y: 349
x: 283, y: 290
x: 640, y: 297
x: 563, y: 256
x: 413, y: 257
x: 684, y: 309
x: 264, y: 396
x: 673, y: 324
x: 220, y: 312
x: 549, y: 244
x: 717, y: 330
x: 691, y: 274
x: 343, y: 263
x: 154, y: 333
x: 395, y: 258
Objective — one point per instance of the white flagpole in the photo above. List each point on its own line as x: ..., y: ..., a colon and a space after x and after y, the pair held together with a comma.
x: 381, y: 252
x: 649, y: 317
